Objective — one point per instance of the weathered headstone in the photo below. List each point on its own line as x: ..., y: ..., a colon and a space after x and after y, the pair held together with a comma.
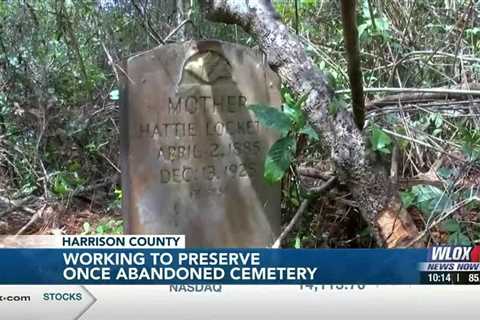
x: 192, y: 153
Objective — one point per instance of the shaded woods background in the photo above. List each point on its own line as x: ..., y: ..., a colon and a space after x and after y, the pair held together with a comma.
x: 59, y: 64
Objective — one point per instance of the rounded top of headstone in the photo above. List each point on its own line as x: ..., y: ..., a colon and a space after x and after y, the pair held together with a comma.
x: 193, y: 48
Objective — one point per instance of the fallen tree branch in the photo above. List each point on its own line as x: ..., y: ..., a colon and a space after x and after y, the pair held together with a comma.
x: 414, y: 106
x: 104, y: 183
x: 419, y: 90
x: 406, y: 183
x: 412, y: 95
x: 312, y: 173
x: 34, y: 218
x: 323, y: 187
x: 15, y: 205
x: 439, y: 54
x: 355, y: 165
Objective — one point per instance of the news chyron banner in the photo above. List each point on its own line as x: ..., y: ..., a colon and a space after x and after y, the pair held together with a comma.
x: 156, y: 277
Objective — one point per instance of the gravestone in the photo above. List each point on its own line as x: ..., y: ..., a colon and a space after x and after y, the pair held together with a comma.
x: 192, y: 154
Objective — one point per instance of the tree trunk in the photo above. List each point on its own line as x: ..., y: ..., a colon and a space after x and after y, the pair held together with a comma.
x: 370, y: 184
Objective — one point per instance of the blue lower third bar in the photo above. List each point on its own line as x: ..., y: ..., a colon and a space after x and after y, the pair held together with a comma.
x: 211, y: 266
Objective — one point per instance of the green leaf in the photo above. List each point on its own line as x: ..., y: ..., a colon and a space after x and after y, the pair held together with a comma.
x: 437, y: 120
x: 472, y: 32
x: 431, y: 200
x: 295, y: 114
x: 279, y: 158
x: 426, y: 193
x: 287, y: 97
x: 61, y: 185
x: 310, y: 132
x: 407, y: 198
x: 336, y: 104
x: 301, y: 101
x: 380, y: 140
x: 298, y: 242
x: 118, y: 229
x: 437, y: 132
x: 458, y: 238
x: 451, y: 225
x: 444, y: 172
x: 470, y: 141
x: 118, y: 194
x: 331, y: 77
x: 362, y: 28
x: 382, y: 24
x: 100, y: 229
x: 114, y: 95
x: 271, y: 117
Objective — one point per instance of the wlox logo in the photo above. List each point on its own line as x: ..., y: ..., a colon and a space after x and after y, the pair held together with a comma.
x: 470, y: 254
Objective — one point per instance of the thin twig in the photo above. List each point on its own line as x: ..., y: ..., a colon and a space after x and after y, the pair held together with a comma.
x: 292, y: 223
x: 300, y: 211
x: 111, y: 62
x: 110, y: 162
x: 177, y: 28
x: 394, y: 164
x: 418, y: 90
x: 146, y: 24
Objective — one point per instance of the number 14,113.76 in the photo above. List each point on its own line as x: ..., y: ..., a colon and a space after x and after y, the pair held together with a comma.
x: 332, y: 287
